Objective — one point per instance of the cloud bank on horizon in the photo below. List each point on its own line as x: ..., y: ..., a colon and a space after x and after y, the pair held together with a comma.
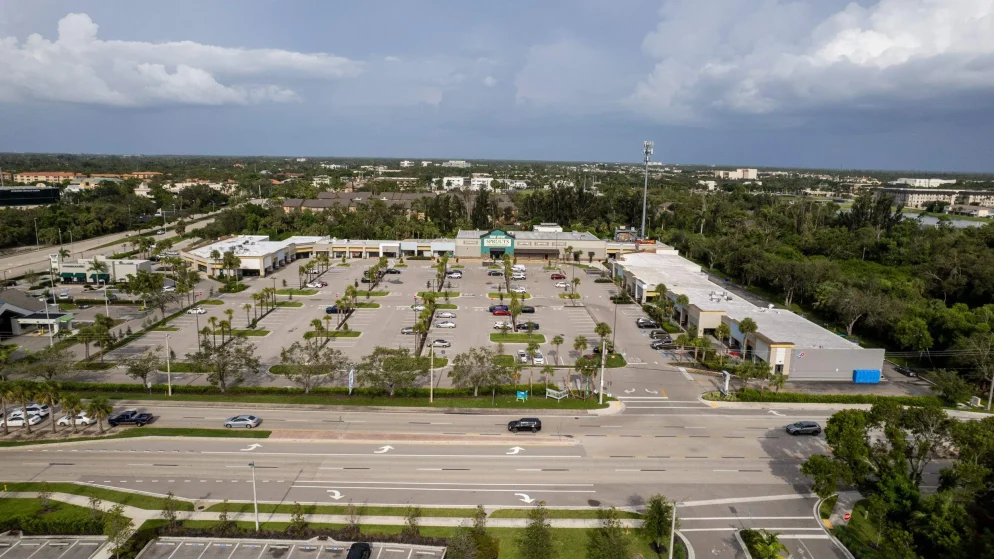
x: 765, y: 67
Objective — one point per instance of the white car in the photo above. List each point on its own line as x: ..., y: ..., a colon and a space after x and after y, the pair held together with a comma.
x: 562, y: 285
x: 446, y: 314
x: 36, y: 409
x: 518, y: 277
x: 538, y: 358
x: 80, y: 419
x: 522, y: 356
x: 518, y: 268
x: 18, y: 420
x: 441, y: 343
x: 418, y: 308
x: 501, y: 325
x: 64, y: 295
x: 518, y: 289
x: 313, y: 285
x: 169, y: 289
x: 445, y: 324
x: 454, y: 275
x: 197, y: 310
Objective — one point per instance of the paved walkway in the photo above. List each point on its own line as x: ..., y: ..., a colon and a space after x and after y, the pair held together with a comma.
x: 847, y: 499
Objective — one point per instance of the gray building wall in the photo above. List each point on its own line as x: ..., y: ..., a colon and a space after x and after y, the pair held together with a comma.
x: 832, y: 364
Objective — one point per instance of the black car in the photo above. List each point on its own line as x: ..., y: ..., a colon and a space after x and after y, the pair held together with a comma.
x: 527, y: 310
x: 609, y: 345
x: 526, y: 326
x: 331, y: 310
x: 659, y: 335
x: 360, y: 550
x: 905, y: 371
x: 646, y: 323
x: 392, y: 271
x: 130, y: 417
x: 804, y: 428
x: 497, y: 308
x: 525, y: 424
x: 661, y: 344
x: 496, y: 273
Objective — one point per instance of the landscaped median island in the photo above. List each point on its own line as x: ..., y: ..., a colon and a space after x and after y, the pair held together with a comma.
x: 753, y: 395
x: 209, y: 302
x: 244, y: 332
x: 368, y: 293
x: 362, y: 305
x: 293, y: 304
x: 137, y: 500
x: 507, y: 296
x: 517, y: 338
x: 137, y: 432
x: 439, y: 294
x: 332, y: 334
x: 299, y: 292
x: 614, y: 360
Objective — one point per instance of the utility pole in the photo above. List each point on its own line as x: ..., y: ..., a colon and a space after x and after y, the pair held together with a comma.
x: 431, y: 373
x: 600, y: 399
x: 169, y: 376
x: 37, y: 242
x: 672, y: 528
x: 646, y: 151
x: 255, y: 498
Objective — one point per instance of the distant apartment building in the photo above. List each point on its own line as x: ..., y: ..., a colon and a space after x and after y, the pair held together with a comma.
x: 457, y: 163
x: 89, y: 183
x: 449, y: 183
x: 32, y: 177
x: 406, y: 163
x: 479, y: 180
x: 144, y: 174
x: 710, y: 185
x: 919, y: 198
x: 321, y: 180
x: 332, y: 166
x: 426, y: 163
x: 737, y: 175
x: 513, y: 183
x: 924, y: 183
x: 973, y: 211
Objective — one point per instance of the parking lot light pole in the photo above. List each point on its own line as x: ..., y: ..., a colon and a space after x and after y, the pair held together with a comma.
x: 255, y: 498
x: 431, y: 373
x: 600, y: 400
x: 169, y: 375
x: 672, y: 527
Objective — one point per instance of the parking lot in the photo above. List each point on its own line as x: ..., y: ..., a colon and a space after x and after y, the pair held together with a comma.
x: 50, y: 547
x: 211, y: 548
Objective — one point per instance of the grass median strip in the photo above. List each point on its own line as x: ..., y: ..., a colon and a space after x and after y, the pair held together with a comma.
x: 446, y: 306
x: 517, y: 338
x: 368, y: 293
x: 439, y: 294
x: 165, y: 329
x: 136, y: 432
x: 332, y: 334
x: 342, y: 509
x: 300, y: 292
x: 130, y: 499
x: 294, y: 304
x: 504, y: 296
x: 367, y: 305
x: 237, y: 332
x: 561, y: 513
x: 210, y: 302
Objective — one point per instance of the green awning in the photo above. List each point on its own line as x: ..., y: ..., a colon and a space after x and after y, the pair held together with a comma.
x: 105, y: 277
x: 66, y: 275
x: 81, y: 276
x: 93, y: 276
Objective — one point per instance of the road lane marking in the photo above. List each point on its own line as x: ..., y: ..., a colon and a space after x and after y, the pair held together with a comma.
x: 455, y: 483
x: 709, y: 518
x: 452, y: 489
x: 393, y: 456
x: 734, y: 500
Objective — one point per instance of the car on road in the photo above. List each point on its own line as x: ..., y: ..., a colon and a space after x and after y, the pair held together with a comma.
x: 407, y: 330
x: 532, y: 424
x: 313, y: 285
x: 197, y: 310
x: 18, y: 420
x: 333, y: 309
x: 446, y: 314
x: 518, y: 289
x: 497, y: 308
x: 365, y: 279
x: 519, y: 268
x: 659, y: 334
x: 37, y: 409
x: 905, y: 371
x: 804, y: 428
x: 160, y: 232
x: 538, y: 358
x: 454, y: 275
x: 82, y: 306
x: 645, y: 323
x: 661, y: 344
x: 441, y: 343
x: 502, y: 325
x: 81, y: 419
x: 360, y: 550
x: 518, y: 276
x: 246, y: 421
x: 445, y: 324
x: 527, y: 310
x: 64, y: 295
x: 522, y: 356
x: 418, y: 308
x: 557, y: 276
x: 502, y: 312
x: 169, y: 289
x: 391, y: 271
x: 496, y: 273
x: 562, y: 284
x: 130, y: 417
x: 527, y: 325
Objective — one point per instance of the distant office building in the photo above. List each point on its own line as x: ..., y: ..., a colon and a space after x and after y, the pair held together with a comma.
x: 924, y: 183
x: 89, y: 183
x: 143, y: 175
x: 426, y: 163
x: 457, y: 163
x: 332, y: 166
x: 478, y: 181
x: 50, y: 177
x: 85, y: 271
x: 28, y: 196
x: 710, y: 185
x: 738, y: 174
x: 406, y: 163
x: 548, y: 228
x: 449, y: 183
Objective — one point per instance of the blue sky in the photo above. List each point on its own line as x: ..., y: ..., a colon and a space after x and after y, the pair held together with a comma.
x: 819, y: 83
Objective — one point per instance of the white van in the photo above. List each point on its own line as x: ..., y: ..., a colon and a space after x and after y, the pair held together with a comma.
x: 518, y: 268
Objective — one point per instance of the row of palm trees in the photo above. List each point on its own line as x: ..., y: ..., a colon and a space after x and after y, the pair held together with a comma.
x: 319, y: 265
x: 49, y: 394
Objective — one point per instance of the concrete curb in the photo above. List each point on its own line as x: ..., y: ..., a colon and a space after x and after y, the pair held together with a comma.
x: 962, y: 414
x: 686, y: 545
x: 817, y: 514
x: 742, y: 544
x: 359, y: 409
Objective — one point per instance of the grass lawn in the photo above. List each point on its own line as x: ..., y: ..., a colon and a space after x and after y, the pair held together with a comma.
x: 367, y: 305
x: 300, y: 292
x: 440, y: 294
x: 368, y: 293
x: 400, y: 265
x: 341, y: 509
x: 614, y: 360
x: 343, y: 265
x: 94, y: 366
x: 559, y: 513
x: 294, y: 304
x: 860, y: 535
x: 134, y: 432
x: 67, y: 306
x: 182, y: 367
x: 211, y: 302
x: 236, y: 332
x: 569, y: 295
x: 333, y: 334
x: 165, y: 329
x: 827, y: 506
x: 58, y: 513
x: 456, y: 267
x: 551, y: 268
x: 517, y: 338
x: 507, y: 296
x: 130, y: 499
x: 440, y: 362
x: 446, y: 306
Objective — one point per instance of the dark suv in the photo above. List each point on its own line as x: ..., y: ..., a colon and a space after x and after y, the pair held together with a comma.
x: 525, y: 424
x: 361, y: 550
x: 646, y: 323
x: 659, y: 335
x: 804, y: 428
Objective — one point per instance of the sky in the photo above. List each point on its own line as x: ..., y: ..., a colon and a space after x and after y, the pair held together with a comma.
x: 886, y: 84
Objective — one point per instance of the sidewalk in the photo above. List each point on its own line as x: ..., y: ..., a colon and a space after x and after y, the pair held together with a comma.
x: 845, y: 504
x: 959, y: 414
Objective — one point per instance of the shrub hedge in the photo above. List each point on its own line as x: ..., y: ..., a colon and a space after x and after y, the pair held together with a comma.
x: 753, y: 395
x: 39, y: 525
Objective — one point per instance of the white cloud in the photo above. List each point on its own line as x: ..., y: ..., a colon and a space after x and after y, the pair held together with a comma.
x: 78, y: 67
x: 783, y: 57
x: 489, y: 81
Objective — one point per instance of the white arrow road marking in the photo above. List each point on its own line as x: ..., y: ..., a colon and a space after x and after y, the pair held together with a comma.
x: 252, y: 446
x: 629, y: 391
x: 383, y: 449
x: 334, y: 494
x: 652, y: 391
x: 774, y: 412
x: 514, y: 450
x: 524, y: 498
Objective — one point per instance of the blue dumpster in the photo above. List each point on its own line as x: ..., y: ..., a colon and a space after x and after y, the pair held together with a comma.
x: 866, y: 376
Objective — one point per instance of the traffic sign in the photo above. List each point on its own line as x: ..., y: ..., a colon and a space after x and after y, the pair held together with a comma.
x: 847, y: 516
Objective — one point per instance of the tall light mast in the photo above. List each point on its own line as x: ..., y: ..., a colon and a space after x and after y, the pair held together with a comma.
x: 647, y: 151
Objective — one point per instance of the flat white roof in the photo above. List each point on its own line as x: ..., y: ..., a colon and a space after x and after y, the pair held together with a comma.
x: 243, y: 245
x: 683, y: 277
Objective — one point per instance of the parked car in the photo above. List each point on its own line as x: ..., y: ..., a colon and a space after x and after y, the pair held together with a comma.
x: 418, y: 307
x: 313, y: 285
x: 518, y: 289
x: 81, y: 419
x: 445, y: 324
x: 502, y: 325
x: 82, y: 306
x: 659, y: 335
x: 446, y: 314
x: 441, y: 343
x: 365, y: 279
x: 804, y: 428
x: 18, y: 420
x: 518, y: 276
x: 392, y: 271
x: 160, y: 232
x: 407, y: 330
x: 169, y: 289
x: 661, y: 344
x: 496, y: 273
x: 37, y: 409
x: 557, y: 277
x: 197, y: 310
x: 518, y: 268
x: 454, y: 275
x: 333, y: 309
x: 527, y: 310
x: 497, y: 308
x: 905, y: 371
x: 64, y: 295
x: 522, y: 356
x: 562, y: 284
x: 645, y: 323
x: 609, y: 345
x: 130, y: 417
x: 246, y: 421
x: 502, y: 312
x: 527, y: 325
x: 538, y: 358
x: 525, y: 424
x: 360, y: 550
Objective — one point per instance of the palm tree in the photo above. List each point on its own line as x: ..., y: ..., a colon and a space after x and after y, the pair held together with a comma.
x: 602, y: 329
x: 213, y: 322
x: 64, y: 253
x: 256, y: 303
x: 248, y: 318
x: 48, y: 395
x: 301, y: 270
x: 230, y: 313
x: 767, y: 545
x: 576, y: 283
x: 99, y: 407
x: 71, y: 405
x: 580, y: 344
x: 22, y: 392
x: 215, y: 256
x: 747, y: 326
x: 6, y: 398
x: 224, y: 324
x: 352, y: 293
x: 327, y: 318
x: 205, y: 331
x: 557, y: 341
x: 316, y: 324
x: 98, y: 266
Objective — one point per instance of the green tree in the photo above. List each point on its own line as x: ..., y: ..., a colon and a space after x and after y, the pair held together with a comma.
x: 99, y: 408
x: 391, y: 369
x: 7, y: 397
x: 310, y: 365
x: 48, y: 394
x: 71, y: 406
x: 602, y: 329
x: 950, y: 387
x: 170, y: 510
x: 118, y: 528
x: 298, y: 523
x: 747, y: 327
x: 536, y: 540
x: 412, y: 522
x: 656, y: 522
x: 227, y: 364
x: 142, y: 366
x: 23, y: 392
x: 766, y: 545
x: 558, y: 341
x: 478, y: 367
x: 609, y: 540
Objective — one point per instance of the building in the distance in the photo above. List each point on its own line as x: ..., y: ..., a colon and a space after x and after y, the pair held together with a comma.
x: 426, y: 163
x: 89, y: 183
x: 448, y: 183
x: 537, y: 245
x: 406, y: 163
x: 924, y: 183
x: 99, y: 269
x: 51, y: 177
x: 21, y: 313
x: 257, y: 255
x: 790, y: 343
x: 28, y: 196
x: 480, y: 180
x: 738, y: 174
x: 457, y: 163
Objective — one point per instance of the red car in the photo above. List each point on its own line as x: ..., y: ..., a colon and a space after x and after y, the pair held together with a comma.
x: 502, y: 312
x: 558, y: 277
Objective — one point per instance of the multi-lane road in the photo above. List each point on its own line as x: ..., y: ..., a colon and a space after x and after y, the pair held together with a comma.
x: 730, y: 468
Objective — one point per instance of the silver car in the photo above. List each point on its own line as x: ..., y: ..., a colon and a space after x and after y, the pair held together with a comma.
x: 446, y: 314
x: 247, y: 421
